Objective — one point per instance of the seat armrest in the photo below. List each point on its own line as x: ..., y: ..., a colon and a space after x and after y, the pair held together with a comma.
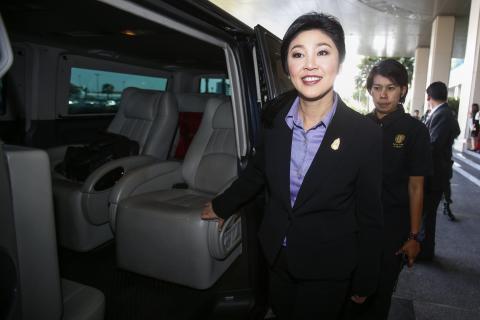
x: 95, y: 191
x: 157, y: 176
x: 221, y: 244
x: 126, y: 164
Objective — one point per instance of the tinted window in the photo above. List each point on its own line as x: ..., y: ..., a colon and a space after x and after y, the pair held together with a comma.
x: 96, y: 91
x: 282, y: 82
x: 215, y: 85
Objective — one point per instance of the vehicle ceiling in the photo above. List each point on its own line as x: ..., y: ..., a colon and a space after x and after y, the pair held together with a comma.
x: 95, y: 28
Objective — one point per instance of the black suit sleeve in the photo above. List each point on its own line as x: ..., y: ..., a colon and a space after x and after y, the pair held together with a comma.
x: 440, y: 133
x: 369, y: 218
x: 250, y: 182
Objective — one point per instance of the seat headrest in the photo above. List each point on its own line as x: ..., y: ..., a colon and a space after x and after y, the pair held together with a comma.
x: 140, y: 103
x: 223, y: 118
x: 192, y: 102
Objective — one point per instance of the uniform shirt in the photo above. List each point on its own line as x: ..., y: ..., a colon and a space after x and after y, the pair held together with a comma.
x: 406, y: 152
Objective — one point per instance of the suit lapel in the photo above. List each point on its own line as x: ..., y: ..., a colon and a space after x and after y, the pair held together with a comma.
x: 281, y: 143
x: 283, y: 161
x: 437, y: 112
x: 326, y: 157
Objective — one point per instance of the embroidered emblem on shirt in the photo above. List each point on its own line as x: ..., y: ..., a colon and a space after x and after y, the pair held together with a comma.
x: 399, y: 140
x: 335, y: 144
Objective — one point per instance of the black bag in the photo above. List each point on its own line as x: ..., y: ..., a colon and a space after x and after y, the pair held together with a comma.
x: 79, y: 162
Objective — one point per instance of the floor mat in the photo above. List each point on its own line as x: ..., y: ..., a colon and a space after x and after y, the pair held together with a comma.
x: 132, y: 296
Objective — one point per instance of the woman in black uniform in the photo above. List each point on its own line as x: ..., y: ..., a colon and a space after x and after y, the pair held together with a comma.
x: 406, y: 160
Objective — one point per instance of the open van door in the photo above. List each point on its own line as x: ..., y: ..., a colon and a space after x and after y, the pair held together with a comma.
x: 6, y: 56
x: 8, y: 273
x: 269, y: 60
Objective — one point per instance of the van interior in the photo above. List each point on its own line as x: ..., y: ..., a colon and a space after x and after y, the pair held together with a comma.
x: 130, y: 227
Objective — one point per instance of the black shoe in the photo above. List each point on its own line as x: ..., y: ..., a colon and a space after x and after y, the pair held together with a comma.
x: 448, y: 212
x: 452, y: 217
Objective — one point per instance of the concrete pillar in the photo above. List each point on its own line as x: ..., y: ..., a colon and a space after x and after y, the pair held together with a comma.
x: 419, y: 81
x: 441, y: 45
x: 471, y: 78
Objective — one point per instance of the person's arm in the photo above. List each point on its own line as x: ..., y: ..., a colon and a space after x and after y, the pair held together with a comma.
x: 419, y: 164
x: 369, y: 219
x: 411, y: 247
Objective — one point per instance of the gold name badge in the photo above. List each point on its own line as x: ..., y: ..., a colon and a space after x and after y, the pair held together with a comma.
x: 399, y: 140
x: 335, y: 144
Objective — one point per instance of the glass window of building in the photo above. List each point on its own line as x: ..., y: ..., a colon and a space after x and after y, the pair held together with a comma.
x: 215, y: 85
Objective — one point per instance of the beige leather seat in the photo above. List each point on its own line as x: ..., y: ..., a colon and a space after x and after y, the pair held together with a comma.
x: 28, y: 251
x: 146, y: 116
x: 159, y: 232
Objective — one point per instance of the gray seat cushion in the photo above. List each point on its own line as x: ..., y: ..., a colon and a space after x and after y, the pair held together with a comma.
x: 82, y: 302
x: 161, y: 235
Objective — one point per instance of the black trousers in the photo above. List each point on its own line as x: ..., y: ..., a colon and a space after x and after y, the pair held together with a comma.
x: 430, y: 206
x: 447, y: 194
x: 301, y: 299
x: 377, y: 306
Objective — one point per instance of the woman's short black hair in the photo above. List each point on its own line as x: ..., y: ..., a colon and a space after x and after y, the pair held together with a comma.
x: 314, y: 21
x: 438, y: 91
x: 393, y: 70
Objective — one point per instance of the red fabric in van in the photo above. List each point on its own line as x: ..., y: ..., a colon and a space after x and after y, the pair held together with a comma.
x: 188, y: 124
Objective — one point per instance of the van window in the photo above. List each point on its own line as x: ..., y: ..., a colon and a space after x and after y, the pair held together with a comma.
x: 215, y: 85
x: 283, y: 83
x: 97, y: 91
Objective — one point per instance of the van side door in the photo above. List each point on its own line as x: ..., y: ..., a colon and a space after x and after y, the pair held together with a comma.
x: 272, y: 79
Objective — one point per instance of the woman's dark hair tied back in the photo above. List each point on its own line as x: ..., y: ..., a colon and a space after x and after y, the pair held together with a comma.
x: 314, y: 21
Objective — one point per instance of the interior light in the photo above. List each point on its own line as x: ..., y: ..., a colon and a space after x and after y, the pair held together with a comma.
x: 129, y: 33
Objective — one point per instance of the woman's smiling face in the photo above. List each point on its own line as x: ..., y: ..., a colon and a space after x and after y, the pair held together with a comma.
x: 313, y: 64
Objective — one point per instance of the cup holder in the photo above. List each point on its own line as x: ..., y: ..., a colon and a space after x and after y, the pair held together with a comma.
x: 109, y: 179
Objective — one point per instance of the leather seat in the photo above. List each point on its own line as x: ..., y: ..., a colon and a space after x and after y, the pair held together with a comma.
x: 159, y: 232
x: 28, y: 245
x: 146, y: 116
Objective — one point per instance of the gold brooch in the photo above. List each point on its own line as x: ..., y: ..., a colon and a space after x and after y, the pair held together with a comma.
x: 335, y: 144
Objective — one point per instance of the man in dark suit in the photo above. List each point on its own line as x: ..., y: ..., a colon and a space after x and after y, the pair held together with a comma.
x: 443, y: 128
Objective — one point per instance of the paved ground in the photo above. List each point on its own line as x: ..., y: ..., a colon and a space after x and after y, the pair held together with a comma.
x: 448, y: 288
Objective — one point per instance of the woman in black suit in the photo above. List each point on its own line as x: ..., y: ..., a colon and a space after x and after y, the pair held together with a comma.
x: 320, y: 164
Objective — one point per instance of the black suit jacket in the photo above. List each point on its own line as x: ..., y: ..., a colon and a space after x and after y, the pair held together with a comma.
x: 443, y: 128
x: 335, y: 226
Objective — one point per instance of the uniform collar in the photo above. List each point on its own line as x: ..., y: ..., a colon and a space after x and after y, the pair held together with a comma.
x: 389, y: 118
